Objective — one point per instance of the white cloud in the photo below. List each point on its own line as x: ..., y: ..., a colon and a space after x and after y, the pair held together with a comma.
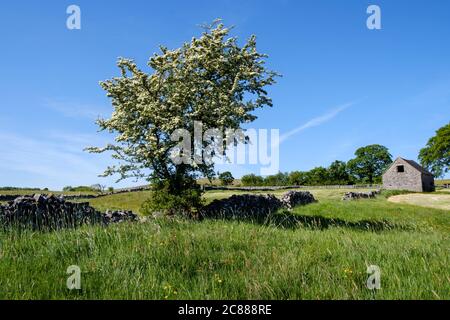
x: 53, y: 161
x: 76, y: 110
x: 44, y: 158
x: 316, y: 121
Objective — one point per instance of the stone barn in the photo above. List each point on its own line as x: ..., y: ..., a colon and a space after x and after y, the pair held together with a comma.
x: 408, y: 175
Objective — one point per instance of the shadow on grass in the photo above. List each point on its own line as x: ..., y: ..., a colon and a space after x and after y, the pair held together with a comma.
x: 286, y: 220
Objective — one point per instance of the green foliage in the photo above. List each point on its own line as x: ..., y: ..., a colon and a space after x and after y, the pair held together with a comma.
x: 436, y: 154
x: 226, y: 178
x: 185, y: 201
x: 19, y: 189
x: 335, y: 174
x: 252, y: 180
x: 370, y: 162
x: 318, y: 176
x: 79, y: 189
x: 338, y: 173
x: 279, y: 179
x: 298, y: 178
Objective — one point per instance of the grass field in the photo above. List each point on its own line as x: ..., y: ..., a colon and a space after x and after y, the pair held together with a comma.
x: 441, y: 182
x: 318, y: 251
x: 438, y: 201
x: 121, y: 201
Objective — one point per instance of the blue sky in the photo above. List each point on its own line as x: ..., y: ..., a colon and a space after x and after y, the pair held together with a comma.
x: 394, y: 83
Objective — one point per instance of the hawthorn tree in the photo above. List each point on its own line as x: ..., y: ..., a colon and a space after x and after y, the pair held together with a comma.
x: 436, y: 154
x: 370, y: 162
x: 210, y: 79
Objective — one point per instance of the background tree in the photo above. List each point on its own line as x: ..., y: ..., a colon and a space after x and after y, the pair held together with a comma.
x: 98, y: 187
x: 298, y: 178
x: 210, y: 79
x: 370, y: 162
x: 318, y: 176
x: 436, y: 154
x: 279, y: 179
x: 338, y: 173
x: 226, y: 178
x: 252, y: 180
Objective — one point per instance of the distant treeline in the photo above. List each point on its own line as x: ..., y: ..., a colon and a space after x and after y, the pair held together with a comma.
x: 78, y: 189
x: 366, y: 168
x: 18, y: 189
x: 338, y: 173
x: 93, y: 188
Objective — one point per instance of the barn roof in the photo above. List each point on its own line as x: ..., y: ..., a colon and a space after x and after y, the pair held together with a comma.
x: 416, y: 166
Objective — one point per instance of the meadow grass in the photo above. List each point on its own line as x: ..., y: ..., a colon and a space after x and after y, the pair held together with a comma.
x: 439, y: 200
x: 120, y: 201
x: 441, y: 182
x: 318, y: 251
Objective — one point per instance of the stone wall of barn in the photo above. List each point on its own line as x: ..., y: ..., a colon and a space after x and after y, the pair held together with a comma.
x: 410, y: 179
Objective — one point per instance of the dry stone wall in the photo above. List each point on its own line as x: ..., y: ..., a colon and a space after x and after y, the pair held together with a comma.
x: 292, y: 199
x: 41, y: 212
x: 255, y: 206
x: 360, y: 195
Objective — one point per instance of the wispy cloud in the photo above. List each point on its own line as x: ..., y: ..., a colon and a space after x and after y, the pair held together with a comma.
x: 315, y: 122
x: 76, y: 110
x: 44, y: 158
x: 54, y: 160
